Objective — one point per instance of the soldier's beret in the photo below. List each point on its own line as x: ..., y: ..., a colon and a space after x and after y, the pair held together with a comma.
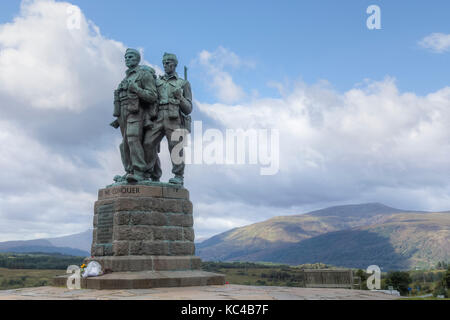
x: 133, y: 51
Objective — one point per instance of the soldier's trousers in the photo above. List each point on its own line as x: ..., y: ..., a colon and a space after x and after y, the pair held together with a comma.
x: 131, y: 148
x: 163, y: 126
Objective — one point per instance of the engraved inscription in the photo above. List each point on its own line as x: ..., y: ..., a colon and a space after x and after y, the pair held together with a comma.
x: 124, y: 190
x: 105, y: 223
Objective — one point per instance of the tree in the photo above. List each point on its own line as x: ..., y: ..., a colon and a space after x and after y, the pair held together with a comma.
x: 447, y: 278
x: 400, y: 280
x: 363, y: 276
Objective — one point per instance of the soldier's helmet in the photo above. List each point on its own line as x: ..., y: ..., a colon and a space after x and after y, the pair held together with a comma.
x: 170, y: 56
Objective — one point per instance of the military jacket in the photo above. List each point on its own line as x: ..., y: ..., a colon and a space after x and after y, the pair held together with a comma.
x: 132, y: 105
x: 166, y: 87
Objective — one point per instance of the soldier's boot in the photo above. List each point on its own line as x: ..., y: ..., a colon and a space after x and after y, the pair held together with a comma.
x: 118, y: 178
x: 177, y: 180
x: 151, y: 177
x: 135, y: 177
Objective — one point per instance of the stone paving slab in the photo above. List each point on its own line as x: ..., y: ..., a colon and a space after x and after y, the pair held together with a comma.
x: 225, y: 292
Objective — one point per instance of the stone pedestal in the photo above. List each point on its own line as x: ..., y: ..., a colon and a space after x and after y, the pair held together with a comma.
x: 143, y: 237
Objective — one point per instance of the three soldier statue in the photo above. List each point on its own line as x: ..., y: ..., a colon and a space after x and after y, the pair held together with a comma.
x: 148, y: 108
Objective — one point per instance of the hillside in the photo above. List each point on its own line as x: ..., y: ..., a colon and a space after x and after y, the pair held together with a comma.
x: 75, y: 245
x: 247, y: 242
x: 350, y: 236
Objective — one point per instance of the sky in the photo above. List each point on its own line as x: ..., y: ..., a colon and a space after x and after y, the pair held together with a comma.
x: 362, y: 114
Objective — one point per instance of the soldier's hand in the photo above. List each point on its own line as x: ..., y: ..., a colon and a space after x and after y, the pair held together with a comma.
x: 178, y: 93
x: 133, y: 87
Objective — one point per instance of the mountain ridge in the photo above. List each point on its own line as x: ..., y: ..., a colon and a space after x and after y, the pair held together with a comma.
x: 351, y: 231
x: 77, y: 244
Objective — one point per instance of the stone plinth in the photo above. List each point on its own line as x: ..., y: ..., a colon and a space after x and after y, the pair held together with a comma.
x: 147, y: 280
x: 143, y: 220
x: 143, y: 234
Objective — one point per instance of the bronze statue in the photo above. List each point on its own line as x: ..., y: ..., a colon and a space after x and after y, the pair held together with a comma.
x: 147, y: 109
x: 133, y: 99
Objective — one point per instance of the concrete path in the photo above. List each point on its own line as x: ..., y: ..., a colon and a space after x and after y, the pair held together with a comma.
x: 225, y: 292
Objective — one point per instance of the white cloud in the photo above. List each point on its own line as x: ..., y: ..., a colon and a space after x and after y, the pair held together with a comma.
x: 35, y: 189
x: 371, y: 143
x: 437, y: 42
x: 53, y: 66
x: 56, y: 87
x: 214, y: 63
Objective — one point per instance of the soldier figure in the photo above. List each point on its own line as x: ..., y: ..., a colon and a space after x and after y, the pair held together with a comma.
x: 133, y: 103
x: 175, y: 104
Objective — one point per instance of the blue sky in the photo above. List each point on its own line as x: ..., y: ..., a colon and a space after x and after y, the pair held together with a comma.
x: 311, y: 40
x: 289, y: 39
x: 362, y: 114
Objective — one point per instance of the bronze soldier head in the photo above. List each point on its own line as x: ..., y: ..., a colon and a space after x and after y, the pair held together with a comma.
x: 170, y: 63
x: 132, y: 58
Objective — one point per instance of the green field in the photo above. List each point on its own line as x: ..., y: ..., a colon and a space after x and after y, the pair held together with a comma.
x: 22, y: 278
x: 20, y: 270
x: 261, y: 274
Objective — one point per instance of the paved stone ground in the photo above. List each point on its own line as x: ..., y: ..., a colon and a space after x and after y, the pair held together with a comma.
x: 225, y: 292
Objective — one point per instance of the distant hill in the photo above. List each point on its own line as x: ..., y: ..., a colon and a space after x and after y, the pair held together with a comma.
x: 75, y: 245
x: 349, y: 236
x: 81, y: 241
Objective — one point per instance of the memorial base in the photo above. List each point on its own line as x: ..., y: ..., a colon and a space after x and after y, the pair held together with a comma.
x: 144, y: 238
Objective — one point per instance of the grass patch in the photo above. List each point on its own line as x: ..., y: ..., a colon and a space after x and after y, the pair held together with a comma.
x: 22, y: 278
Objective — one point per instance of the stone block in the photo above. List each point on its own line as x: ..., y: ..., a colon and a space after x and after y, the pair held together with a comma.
x: 196, y: 263
x: 176, y: 193
x: 133, y: 233
x: 130, y: 191
x: 97, y: 250
x: 120, y: 248
x: 100, y: 203
x: 159, y: 233
x: 152, y: 218
x: 128, y: 204
x: 162, y: 263
x: 180, y: 219
x: 188, y: 234
x: 186, y: 207
x: 170, y: 205
x: 121, y: 218
x: 181, y: 248
x: 173, y: 233
x: 108, y: 250
x: 157, y: 248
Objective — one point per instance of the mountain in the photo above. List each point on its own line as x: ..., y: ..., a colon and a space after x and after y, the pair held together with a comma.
x: 81, y: 241
x: 349, y: 236
x: 76, y: 245
x: 242, y: 243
